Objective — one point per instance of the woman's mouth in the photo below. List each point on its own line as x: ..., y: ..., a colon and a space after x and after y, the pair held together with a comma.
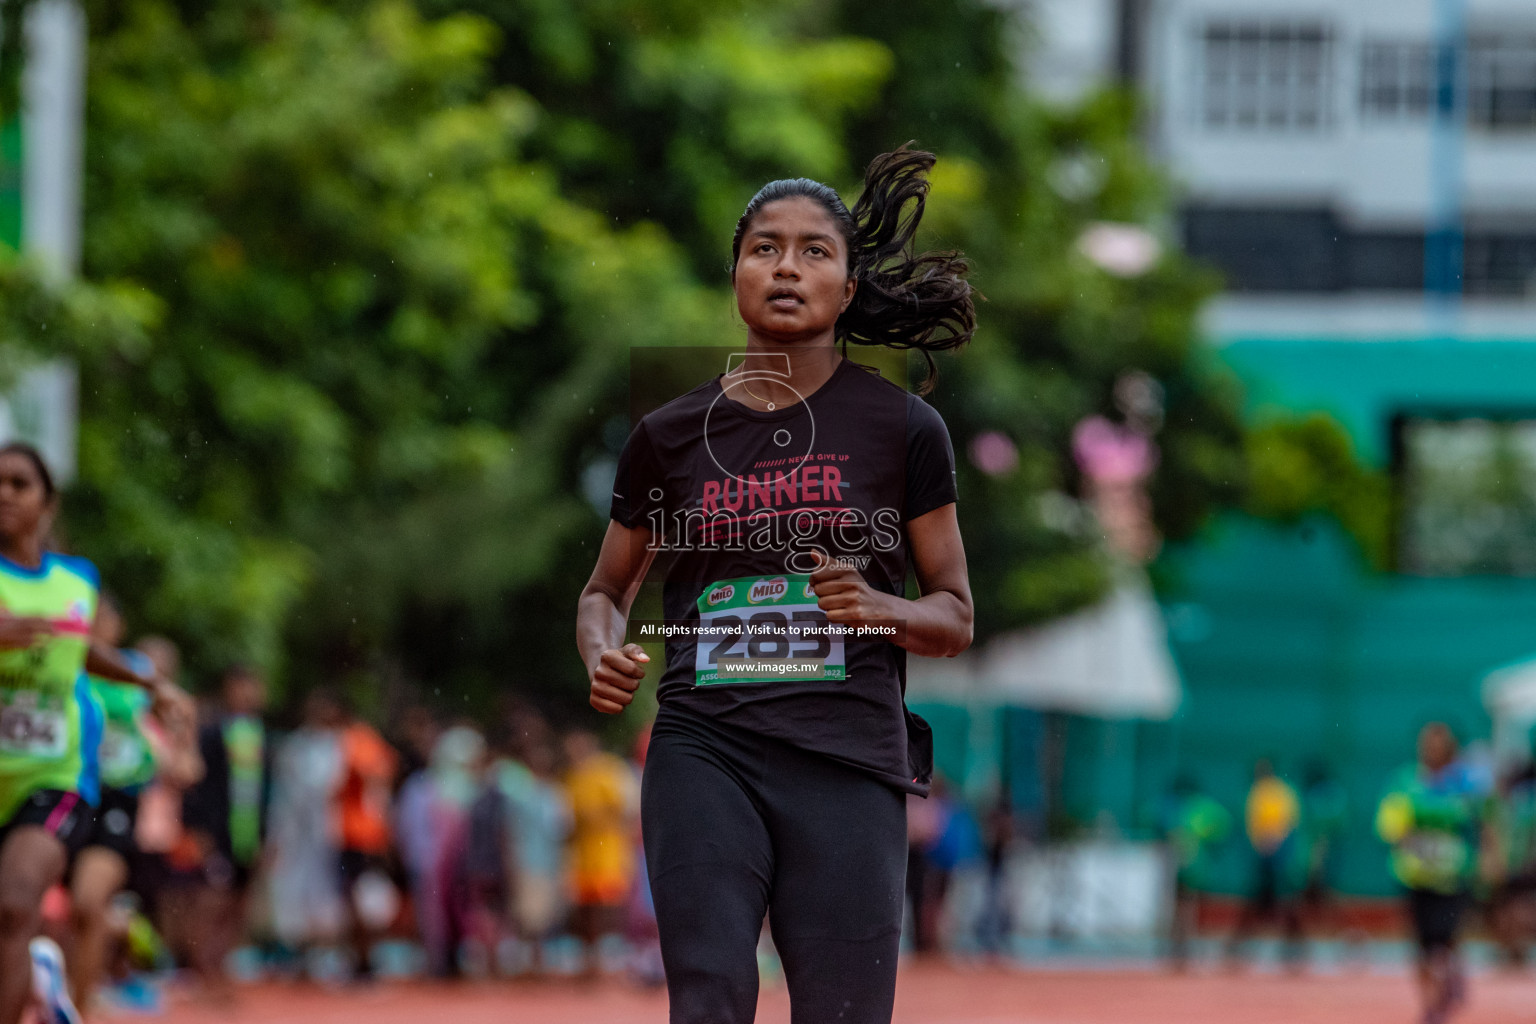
x: 785, y: 299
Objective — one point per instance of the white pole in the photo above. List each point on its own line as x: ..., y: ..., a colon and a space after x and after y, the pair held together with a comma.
x: 53, y: 114
x: 43, y: 405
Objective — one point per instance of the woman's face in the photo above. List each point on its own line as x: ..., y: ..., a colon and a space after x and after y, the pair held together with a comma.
x: 24, y: 504
x: 791, y: 275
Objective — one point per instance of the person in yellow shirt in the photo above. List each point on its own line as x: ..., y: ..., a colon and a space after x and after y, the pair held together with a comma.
x: 604, y: 797
x: 1272, y: 819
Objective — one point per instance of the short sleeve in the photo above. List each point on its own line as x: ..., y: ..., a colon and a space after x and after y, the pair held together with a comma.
x: 82, y: 567
x: 930, y: 480
x: 639, y: 485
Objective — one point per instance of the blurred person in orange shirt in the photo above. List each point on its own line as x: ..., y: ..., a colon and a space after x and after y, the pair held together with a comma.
x: 604, y: 797
x: 363, y: 834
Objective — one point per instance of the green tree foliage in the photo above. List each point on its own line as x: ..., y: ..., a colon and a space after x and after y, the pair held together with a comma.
x: 1301, y: 466
x: 1020, y: 184
x: 362, y: 279
x: 378, y: 332
x: 676, y: 111
x: 715, y: 98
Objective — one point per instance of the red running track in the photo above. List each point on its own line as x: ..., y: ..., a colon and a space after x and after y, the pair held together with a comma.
x: 928, y: 994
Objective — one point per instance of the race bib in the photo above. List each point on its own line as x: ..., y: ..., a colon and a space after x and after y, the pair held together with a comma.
x: 122, y: 753
x: 1439, y: 852
x: 765, y: 629
x: 32, y: 731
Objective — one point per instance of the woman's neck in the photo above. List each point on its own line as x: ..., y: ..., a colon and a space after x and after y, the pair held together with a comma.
x: 776, y: 374
x: 26, y: 552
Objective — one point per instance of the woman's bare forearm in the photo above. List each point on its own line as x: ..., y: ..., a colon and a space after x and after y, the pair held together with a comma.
x: 106, y: 663
x: 937, y: 625
x: 600, y: 623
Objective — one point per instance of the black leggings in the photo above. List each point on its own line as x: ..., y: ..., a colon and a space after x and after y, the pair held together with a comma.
x: 738, y: 826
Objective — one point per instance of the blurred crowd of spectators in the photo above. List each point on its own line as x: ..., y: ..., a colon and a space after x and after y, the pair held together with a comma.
x: 339, y: 852
x: 1459, y: 835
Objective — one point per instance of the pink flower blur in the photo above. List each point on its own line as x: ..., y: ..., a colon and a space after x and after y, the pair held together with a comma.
x: 994, y: 453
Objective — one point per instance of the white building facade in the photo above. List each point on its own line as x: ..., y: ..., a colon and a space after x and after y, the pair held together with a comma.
x: 1323, y: 156
x: 1317, y: 149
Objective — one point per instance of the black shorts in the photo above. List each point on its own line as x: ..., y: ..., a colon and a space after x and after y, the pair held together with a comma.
x: 61, y: 812
x: 1521, y: 883
x: 222, y: 872
x: 1436, y: 918
x: 1264, y: 897
x: 354, y: 864
x: 115, y: 821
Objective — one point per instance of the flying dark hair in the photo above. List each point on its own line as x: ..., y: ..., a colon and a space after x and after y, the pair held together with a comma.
x: 902, y: 300
x: 36, y: 458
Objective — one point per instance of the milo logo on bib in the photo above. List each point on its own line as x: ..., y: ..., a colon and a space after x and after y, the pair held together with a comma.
x: 766, y: 629
x: 767, y: 590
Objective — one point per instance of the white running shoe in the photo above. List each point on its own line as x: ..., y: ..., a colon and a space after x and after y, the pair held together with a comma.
x: 49, y: 983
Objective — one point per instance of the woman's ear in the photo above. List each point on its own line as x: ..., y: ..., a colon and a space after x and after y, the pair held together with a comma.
x: 849, y: 289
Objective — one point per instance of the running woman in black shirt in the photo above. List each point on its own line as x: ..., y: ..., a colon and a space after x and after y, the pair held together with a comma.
x: 791, y: 494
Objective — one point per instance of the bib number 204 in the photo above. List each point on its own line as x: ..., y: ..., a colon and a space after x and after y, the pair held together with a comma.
x: 32, y: 732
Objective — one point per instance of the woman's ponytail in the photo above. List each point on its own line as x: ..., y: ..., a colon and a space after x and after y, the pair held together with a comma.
x: 903, y: 300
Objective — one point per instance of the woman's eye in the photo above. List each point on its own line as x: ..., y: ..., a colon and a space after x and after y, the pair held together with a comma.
x: 816, y: 250
x: 764, y: 247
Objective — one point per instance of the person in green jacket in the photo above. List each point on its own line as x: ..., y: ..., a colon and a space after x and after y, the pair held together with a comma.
x: 1437, y: 816
x: 140, y: 740
x: 1194, y: 826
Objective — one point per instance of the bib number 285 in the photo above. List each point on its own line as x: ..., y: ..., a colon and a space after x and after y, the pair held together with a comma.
x: 765, y: 629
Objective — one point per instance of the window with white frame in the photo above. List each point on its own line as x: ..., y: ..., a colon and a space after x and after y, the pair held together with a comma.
x: 1397, y: 79
x: 1501, y: 81
x: 1274, y: 75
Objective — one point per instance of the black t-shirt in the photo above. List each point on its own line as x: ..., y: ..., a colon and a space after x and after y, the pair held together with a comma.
x: 736, y: 498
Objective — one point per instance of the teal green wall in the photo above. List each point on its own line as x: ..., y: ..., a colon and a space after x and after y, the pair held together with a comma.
x: 1363, y: 383
x: 1291, y: 649
x: 1290, y: 646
